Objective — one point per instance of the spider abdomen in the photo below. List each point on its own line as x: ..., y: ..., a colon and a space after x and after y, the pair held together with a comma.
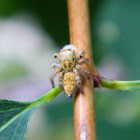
x: 69, y: 83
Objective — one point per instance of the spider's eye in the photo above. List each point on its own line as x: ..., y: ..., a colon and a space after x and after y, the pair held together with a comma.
x: 73, y: 59
x: 80, y: 56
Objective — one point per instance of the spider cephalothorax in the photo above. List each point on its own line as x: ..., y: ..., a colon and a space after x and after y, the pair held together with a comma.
x: 67, y: 58
x: 70, y: 69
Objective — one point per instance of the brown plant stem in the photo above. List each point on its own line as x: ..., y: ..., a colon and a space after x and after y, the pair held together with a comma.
x: 84, y: 110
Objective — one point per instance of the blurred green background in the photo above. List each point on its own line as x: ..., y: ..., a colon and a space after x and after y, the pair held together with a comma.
x: 31, y: 31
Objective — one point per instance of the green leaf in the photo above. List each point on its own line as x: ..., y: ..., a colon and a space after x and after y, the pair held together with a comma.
x: 15, y: 116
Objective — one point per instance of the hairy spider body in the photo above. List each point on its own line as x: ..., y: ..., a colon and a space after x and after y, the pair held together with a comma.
x: 70, y: 69
x: 69, y: 84
x: 67, y: 58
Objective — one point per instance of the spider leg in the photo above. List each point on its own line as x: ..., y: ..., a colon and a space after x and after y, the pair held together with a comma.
x: 61, y: 80
x: 78, y: 79
x: 55, y: 55
x: 83, y: 61
x: 54, y: 65
x: 81, y: 55
x: 53, y: 75
x: 83, y: 70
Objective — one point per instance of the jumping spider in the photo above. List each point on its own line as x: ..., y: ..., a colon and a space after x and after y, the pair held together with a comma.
x: 70, y: 69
